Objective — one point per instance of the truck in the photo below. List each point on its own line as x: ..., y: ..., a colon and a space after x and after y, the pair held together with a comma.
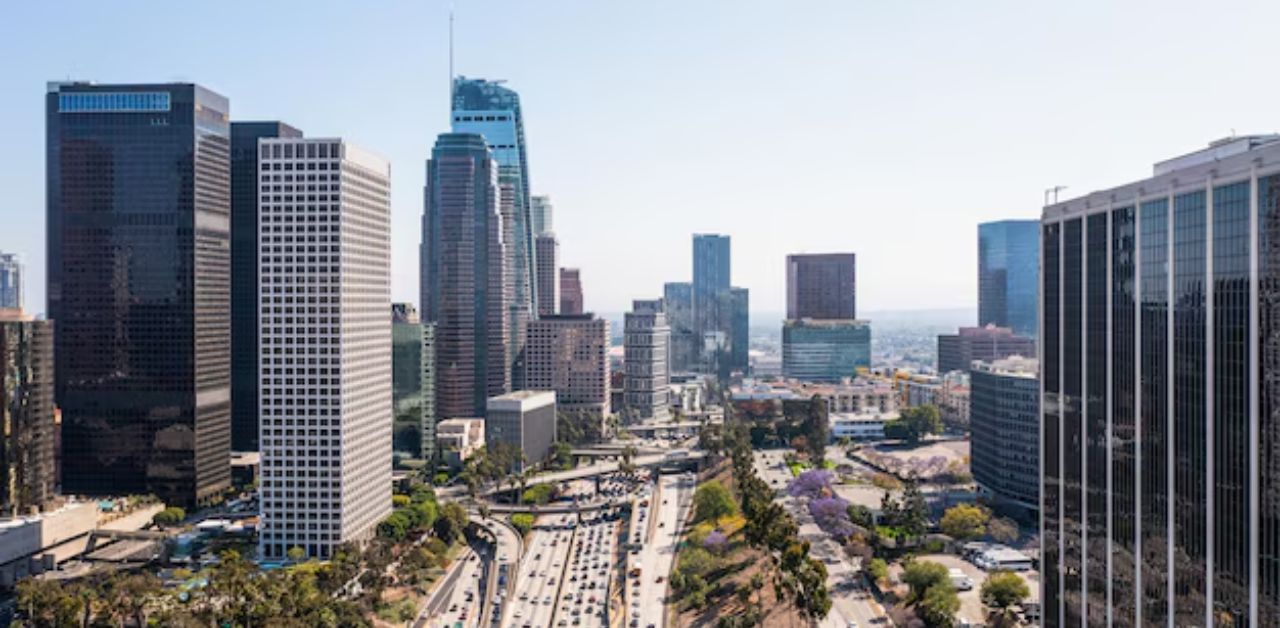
x: 960, y: 580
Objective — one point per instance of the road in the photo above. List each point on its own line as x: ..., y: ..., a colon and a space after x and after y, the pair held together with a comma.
x: 507, y: 550
x: 457, y: 598
x: 540, y: 572
x: 647, y: 604
x: 599, y: 468
x: 851, y: 600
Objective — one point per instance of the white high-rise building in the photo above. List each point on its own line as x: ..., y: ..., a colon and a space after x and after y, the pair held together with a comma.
x: 646, y: 344
x: 325, y: 356
x: 542, y: 215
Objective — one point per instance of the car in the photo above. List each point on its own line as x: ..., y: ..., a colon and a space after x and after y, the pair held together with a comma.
x: 659, y: 580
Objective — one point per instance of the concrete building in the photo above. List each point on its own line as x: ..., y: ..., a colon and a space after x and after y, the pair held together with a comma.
x: 948, y: 393
x: 822, y: 286
x: 464, y: 275
x: 1004, y: 419
x: 860, y: 426
x: 458, y: 439
x: 570, y: 292
x: 858, y: 395
x: 568, y: 354
x: 35, y: 543
x: 10, y: 282
x: 1008, y: 268
x: 548, y: 257
x: 542, y: 217
x: 326, y: 440
x: 989, y: 343
x: 1159, y: 307
x: 244, y: 275
x: 524, y: 418
x: 646, y: 342
x: 139, y: 287
x: 28, y: 472
x: 825, y: 350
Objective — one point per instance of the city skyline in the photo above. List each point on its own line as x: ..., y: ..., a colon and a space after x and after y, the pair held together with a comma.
x: 1012, y: 121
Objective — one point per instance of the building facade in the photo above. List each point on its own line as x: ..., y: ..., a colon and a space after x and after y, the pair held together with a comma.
x: 464, y: 276
x: 677, y: 297
x: 139, y: 287
x: 407, y: 387
x: 1004, y: 420
x: 570, y: 292
x: 244, y: 276
x: 10, y: 282
x: 740, y: 330
x: 548, y: 259
x: 28, y: 471
x: 822, y: 286
x: 1008, y: 272
x: 525, y: 419
x: 646, y: 345
x: 1159, y: 369
x: 542, y: 217
x: 825, y: 350
x: 956, y: 351
x: 569, y: 355
x: 325, y: 440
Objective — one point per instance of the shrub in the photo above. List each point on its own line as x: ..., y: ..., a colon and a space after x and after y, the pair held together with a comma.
x: 399, y: 501
x: 522, y: 522
x: 716, y: 543
x: 712, y: 501
x: 172, y: 515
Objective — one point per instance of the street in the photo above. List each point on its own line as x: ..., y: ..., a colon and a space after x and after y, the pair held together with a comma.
x: 646, y: 604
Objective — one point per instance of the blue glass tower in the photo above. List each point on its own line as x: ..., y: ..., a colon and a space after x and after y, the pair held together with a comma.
x: 1008, y: 267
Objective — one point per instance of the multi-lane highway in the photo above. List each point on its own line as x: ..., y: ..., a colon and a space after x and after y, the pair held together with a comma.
x: 659, y: 529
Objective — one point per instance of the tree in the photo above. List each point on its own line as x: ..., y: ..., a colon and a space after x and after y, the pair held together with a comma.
x: 522, y: 522
x: 915, y: 512
x: 1001, y: 591
x: 1003, y: 529
x: 812, y: 484
x: 939, y: 606
x: 452, y: 521
x: 816, y: 427
x: 921, y: 575
x: 965, y: 521
x: 878, y: 570
x: 172, y: 515
x: 47, y: 603
x: 915, y: 423
x: 696, y: 562
x: 562, y: 455
x: 861, y: 515
x: 832, y: 515
x: 712, y: 501
x: 296, y: 554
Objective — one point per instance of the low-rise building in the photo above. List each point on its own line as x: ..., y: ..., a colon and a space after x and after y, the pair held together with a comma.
x: 458, y: 439
x: 864, y: 426
x: 524, y: 418
x: 956, y: 352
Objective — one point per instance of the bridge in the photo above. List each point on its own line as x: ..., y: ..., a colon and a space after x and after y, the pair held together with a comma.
x: 597, y: 469
x: 651, y: 428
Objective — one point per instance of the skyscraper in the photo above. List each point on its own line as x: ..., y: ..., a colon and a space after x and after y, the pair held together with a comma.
x: 568, y: 353
x: 542, y: 215
x: 548, y: 256
x: 326, y: 440
x: 464, y: 273
x: 739, y: 329
x: 139, y: 255
x: 570, y: 291
x: 489, y: 109
x: 1004, y: 416
x: 825, y: 350
x: 244, y: 275
x: 711, y: 277
x: 821, y: 286
x: 27, y: 469
x: 1008, y: 267
x: 407, y: 387
x: 10, y: 281
x: 646, y: 363
x: 1160, y: 370
x: 677, y: 297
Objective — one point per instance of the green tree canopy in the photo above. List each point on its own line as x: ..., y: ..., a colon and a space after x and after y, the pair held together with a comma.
x: 712, y: 500
x: 965, y: 521
x: 921, y: 575
x: 1003, y: 589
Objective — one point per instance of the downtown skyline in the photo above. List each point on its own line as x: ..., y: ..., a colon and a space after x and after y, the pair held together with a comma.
x: 690, y: 188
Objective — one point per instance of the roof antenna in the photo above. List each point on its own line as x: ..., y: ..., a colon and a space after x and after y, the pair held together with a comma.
x: 451, y: 60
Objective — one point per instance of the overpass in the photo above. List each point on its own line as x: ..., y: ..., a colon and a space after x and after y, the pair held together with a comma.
x: 597, y: 469
x: 651, y: 428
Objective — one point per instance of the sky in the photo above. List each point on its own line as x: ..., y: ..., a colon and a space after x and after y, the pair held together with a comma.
x: 889, y: 129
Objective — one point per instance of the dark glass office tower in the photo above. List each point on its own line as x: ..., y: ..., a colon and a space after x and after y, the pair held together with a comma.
x: 28, y: 471
x: 823, y: 286
x: 139, y: 287
x: 244, y: 276
x: 464, y: 276
x: 678, y: 296
x: 1161, y: 401
x: 1008, y: 261
x: 740, y: 342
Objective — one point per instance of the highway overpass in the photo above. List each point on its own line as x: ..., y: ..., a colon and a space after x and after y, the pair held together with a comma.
x: 589, y: 471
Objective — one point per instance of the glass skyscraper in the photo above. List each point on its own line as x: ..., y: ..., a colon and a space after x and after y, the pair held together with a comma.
x: 1160, y: 477
x: 10, y: 281
x: 1008, y: 264
x: 139, y: 287
x: 825, y: 350
x: 244, y: 275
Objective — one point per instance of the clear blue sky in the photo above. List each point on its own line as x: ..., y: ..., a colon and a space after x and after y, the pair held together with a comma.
x: 885, y: 128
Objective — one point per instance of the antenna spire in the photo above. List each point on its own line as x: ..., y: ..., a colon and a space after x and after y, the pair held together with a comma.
x: 451, y: 59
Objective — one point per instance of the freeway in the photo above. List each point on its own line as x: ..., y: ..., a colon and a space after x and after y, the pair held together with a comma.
x: 580, y: 473
x: 661, y: 535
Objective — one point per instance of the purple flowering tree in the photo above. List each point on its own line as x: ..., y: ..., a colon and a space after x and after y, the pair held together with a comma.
x: 812, y: 484
x: 832, y: 515
x: 716, y: 542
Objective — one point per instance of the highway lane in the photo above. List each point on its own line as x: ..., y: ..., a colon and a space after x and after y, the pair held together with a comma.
x: 459, y: 599
x: 674, y: 496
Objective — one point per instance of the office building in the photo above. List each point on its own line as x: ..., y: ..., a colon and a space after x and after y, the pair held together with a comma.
x: 548, y: 256
x: 1004, y: 423
x: 28, y: 473
x: 326, y: 440
x: 1008, y: 268
x: 244, y: 275
x: 10, y: 282
x: 956, y: 351
x: 459, y: 439
x: 646, y: 363
x: 525, y: 419
x: 712, y: 304
x: 678, y: 300
x: 139, y: 287
x: 568, y: 353
x: 822, y: 286
x: 430, y: 416
x: 570, y: 292
x: 541, y: 218
x: 409, y: 392
x: 492, y: 111
x: 1160, y: 479
x: 739, y: 330
x: 825, y: 350
x: 464, y: 273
